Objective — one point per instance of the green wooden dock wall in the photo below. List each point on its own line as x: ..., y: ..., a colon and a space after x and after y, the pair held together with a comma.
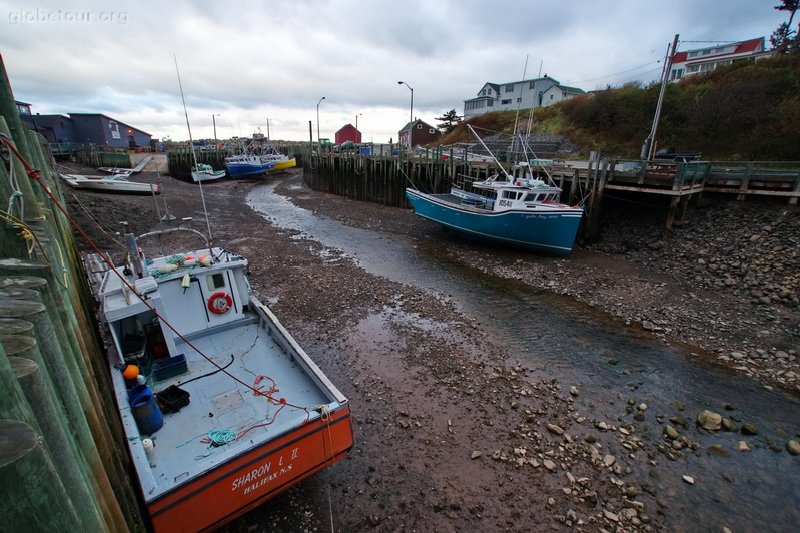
x: 63, y: 465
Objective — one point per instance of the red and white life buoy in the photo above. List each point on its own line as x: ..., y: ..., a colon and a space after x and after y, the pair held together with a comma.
x: 220, y: 303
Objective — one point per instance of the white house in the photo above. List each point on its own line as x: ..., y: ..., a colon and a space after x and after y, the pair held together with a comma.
x: 707, y: 59
x: 523, y: 94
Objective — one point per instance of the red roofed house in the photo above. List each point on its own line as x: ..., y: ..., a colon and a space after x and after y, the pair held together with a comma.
x: 707, y: 59
x: 347, y: 133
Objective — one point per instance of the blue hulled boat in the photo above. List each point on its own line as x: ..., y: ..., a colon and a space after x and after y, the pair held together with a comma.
x: 516, y: 209
x: 246, y: 165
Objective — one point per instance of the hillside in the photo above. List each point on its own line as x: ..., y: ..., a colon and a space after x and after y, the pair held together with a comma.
x: 748, y: 111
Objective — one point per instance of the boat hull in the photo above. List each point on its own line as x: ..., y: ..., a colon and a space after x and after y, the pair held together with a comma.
x: 249, y: 480
x: 243, y: 170
x: 548, y: 230
x: 112, y: 184
x: 284, y: 165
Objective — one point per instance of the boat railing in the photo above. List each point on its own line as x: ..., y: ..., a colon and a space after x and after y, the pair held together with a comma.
x: 173, y: 230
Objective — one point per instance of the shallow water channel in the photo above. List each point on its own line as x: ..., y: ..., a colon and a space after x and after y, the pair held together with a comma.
x: 610, y: 364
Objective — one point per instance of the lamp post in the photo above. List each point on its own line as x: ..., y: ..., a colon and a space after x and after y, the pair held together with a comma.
x: 411, y: 118
x: 320, y: 101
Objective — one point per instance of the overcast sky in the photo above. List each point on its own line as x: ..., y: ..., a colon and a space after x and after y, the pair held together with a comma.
x: 250, y: 61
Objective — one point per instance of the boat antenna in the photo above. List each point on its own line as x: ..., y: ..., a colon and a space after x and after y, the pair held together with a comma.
x: 521, y: 85
x: 469, y: 126
x: 191, y: 147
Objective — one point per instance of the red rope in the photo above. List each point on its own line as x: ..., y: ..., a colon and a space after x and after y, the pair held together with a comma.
x: 36, y: 176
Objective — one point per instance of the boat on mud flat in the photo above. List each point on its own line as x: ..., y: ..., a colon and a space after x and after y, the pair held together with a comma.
x: 221, y: 408
x: 516, y: 209
x: 127, y: 172
x: 247, y: 165
x: 282, y: 161
x: 205, y: 172
x: 116, y: 183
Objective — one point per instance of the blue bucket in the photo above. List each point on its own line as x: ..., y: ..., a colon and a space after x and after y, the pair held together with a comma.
x: 147, y: 414
x: 137, y: 391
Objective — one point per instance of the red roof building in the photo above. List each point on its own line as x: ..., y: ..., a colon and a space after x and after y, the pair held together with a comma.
x: 707, y: 59
x: 347, y: 133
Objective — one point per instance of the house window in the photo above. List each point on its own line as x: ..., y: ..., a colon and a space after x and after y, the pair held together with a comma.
x: 419, y: 126
x: 519, y: 99
x: 532, y: 85
x: 551, y: 97
x: 489, y: 103
x: 510, y: 88
x: 505, y: 102
x: 431, y: 130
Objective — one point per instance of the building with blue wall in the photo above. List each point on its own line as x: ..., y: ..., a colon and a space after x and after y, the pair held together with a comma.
x: 84, y: 128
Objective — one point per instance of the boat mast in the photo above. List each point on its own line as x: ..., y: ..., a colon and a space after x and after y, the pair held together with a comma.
x: 490, y: 152
x: 647, y: 147
x: 191, y: 147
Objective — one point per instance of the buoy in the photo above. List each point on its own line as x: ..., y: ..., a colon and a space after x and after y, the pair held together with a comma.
x: 148, y: 445
x: 130, y: 372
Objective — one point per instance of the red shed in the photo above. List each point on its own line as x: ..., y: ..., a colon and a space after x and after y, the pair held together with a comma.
x: 347, y: 133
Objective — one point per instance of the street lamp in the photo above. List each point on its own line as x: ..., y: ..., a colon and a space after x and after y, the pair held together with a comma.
x: 412, y: 98
x: 320, y: 101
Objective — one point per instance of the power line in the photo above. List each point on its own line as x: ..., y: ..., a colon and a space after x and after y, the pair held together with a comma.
x: 616, y: 73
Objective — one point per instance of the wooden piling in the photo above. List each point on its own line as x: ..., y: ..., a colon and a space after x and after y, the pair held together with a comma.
x: 37, y: 388
x: 34, y: 497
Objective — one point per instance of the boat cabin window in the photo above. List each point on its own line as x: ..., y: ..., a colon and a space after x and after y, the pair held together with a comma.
x: 531, y: 197
x: 512, y: 195
x: 215, y: 281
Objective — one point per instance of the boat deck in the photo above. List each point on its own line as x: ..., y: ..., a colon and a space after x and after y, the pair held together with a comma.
x: 218, y: 402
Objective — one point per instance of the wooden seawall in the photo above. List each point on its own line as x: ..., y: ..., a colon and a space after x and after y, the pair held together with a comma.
x: 62, y: 461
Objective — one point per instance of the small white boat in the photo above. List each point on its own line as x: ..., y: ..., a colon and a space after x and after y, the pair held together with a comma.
x: 205, y: 172
x: 115, y: 183
x: 127, y: 171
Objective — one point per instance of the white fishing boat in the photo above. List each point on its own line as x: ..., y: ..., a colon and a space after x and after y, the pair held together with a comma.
x: 221, y: 408
x: 205, y: 172
x: 115, y: 183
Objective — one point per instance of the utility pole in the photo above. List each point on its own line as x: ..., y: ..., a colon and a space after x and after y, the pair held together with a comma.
x: 647, y: 147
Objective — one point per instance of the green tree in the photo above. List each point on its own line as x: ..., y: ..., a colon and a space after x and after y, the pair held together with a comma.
x: 449, y: 121
x: 784, y: 39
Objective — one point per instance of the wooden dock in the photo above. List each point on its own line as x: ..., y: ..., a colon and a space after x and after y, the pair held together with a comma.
x: 384, y: 176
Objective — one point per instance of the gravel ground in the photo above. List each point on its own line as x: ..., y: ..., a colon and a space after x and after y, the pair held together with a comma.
x: 451, y: 432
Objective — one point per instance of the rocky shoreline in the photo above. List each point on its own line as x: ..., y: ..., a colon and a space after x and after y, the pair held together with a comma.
x: 453, y: 432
